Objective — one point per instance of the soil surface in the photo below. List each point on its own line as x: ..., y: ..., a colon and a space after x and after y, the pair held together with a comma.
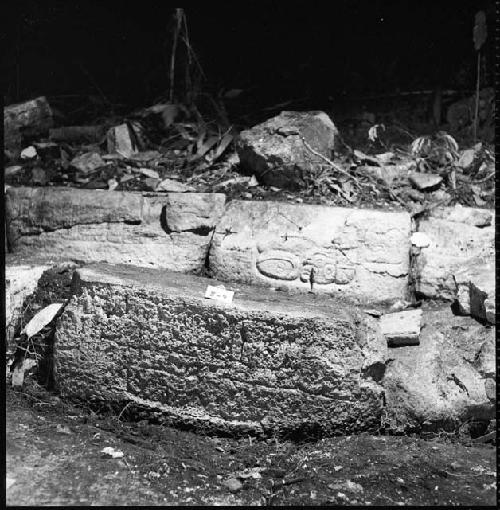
x: 54, y: 457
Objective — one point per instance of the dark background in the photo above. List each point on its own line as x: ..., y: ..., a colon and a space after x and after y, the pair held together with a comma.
x: 273, y: 50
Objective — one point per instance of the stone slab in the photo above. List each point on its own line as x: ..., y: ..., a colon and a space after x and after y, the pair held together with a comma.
x: 362, y: 254
x: 20, y: 281
x: 167, y: 230
x: 458, y: 235
x: 269, y: 361
x: 401, y: 328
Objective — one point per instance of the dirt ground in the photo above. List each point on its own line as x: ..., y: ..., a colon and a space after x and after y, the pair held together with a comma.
x: 54, y: 457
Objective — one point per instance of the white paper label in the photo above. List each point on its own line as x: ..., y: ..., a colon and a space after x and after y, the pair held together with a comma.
x: 219, y: 293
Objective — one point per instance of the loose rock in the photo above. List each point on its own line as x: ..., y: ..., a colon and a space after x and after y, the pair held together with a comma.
x: 425, y: 182
x: 275, y: 152
x: 401, y: 328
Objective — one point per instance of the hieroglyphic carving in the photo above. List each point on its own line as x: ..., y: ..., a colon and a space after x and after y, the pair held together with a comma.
x: 283, y: 265
x: 279, y: 264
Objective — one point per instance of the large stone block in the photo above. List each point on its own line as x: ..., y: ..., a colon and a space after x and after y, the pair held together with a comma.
x: 361, y: 254
x: 265, y: 362
x: 440, y: 383
x: 171, y: 231
x: 458, y: 236
x: 275, y: 151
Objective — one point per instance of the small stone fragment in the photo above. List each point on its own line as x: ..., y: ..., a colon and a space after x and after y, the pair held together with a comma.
x: 425, y: 182
x: 29, y: 153
x: 491, y: 389
x: 88, y: 162
x: 401, y: 328
x: 120, y: 141
x: 420, y: 240
x: 475, y: 289
x: 173, y: 186
x: 466, y: 158
x: 12, y: 170
x: 233, y: 484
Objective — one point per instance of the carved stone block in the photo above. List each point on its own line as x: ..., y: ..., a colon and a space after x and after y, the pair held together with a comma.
x: 361, y: 254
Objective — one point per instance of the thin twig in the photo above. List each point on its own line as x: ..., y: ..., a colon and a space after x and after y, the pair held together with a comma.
x: 178, y: 18
x: 123, y: 410
x: 329, y: 161
x: 386, y: 188
x: 487, y: 178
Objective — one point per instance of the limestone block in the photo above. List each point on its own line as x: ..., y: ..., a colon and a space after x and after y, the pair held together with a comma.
x: 475, y: 284
x: 170, y: 231
x: 265, y: 362
x: 439, y: 382
x: 275, y: 152
x: 401, y: 328
x: 458, y: 236
x: 360, y: 254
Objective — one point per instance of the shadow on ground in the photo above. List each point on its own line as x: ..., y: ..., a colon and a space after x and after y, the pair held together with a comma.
x: 54, y: 457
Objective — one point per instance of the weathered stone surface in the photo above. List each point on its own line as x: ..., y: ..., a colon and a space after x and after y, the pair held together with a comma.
x: 401, y: 328
x: 425, y: 181
x: 442, y: 381
x: 458, y: 235
x: 267, y: 362
x: 467, y: 215
x: 32, y: 117
x: 275, y: 152
x: 171, y: 231
x: 88, y: 162
x: 20, y: 281
x: 361, y: 254
x: 475, y: 284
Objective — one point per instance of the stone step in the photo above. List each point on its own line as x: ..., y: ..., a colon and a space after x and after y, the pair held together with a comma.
x: 171, y: 230
x: 360, y: 253
x: 268, y: 361
x: 458, y: 236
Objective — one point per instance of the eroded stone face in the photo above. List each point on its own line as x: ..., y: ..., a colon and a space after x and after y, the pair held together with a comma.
x: 171, y: 231
x: 459, y: 237
x: 442, y: 381
x: 363, y: 254
x: 262, y: 362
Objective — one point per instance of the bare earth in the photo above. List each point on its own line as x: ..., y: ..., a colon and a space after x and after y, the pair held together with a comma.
x: 54, y: 458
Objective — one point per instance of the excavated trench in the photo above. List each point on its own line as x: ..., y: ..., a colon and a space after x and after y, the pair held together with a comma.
x: 61, y: 283
x: 277, y: 361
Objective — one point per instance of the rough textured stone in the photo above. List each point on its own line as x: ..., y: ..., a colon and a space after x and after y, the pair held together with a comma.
x: 458, y: 235
x: 361, y: 254
x: 267, y: 362
x: 32, y: 117
x: 275, y: 152
x: 401, y: 328
x: 171, y: 231
x: 88, y: 162
x: 20, y: 281
x: 475, y: 284
x: 442, y: 381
